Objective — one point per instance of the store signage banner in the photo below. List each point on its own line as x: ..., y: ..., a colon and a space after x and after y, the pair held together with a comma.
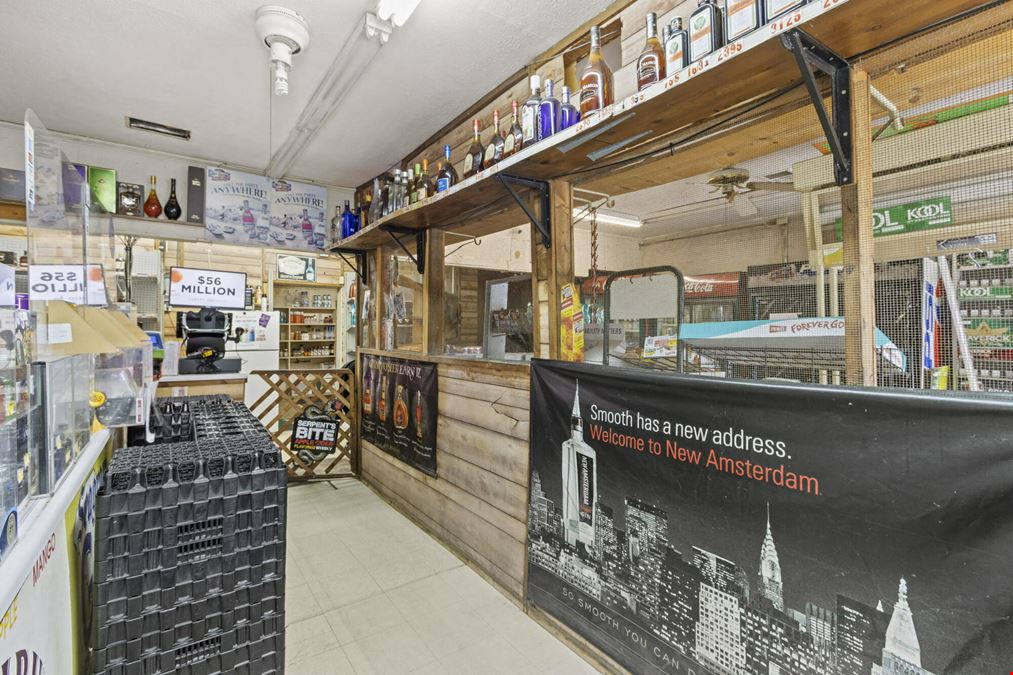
x: 297, y: 268
x: 926, y: 214
x: 314, y: 435
x: 687, y: 525
x: 298, y: 209
x: 37, y: 630
x: 399, y: 406
x: 244, y: 208
x: 189, y: 287
x: 69, y: 283
x: 723, y: 285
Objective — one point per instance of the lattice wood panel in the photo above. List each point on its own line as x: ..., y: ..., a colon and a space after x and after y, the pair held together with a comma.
x: 289, y: 393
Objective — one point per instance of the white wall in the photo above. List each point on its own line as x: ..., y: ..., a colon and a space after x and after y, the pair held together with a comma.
x: 511, y: 250
x: 133, y: 165
x: 730, y: 251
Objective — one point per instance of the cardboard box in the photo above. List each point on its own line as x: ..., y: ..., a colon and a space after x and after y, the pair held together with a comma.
x: 195, y: 195
x: 126, y: 204
x: 102, y: 185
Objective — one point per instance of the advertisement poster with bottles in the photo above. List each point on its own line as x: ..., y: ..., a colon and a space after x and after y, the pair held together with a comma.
x: 297, y: 215
x: 399, y: 404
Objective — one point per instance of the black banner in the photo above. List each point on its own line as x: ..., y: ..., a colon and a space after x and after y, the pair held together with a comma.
x: 690, y: 525
x: 399, y: 404
x: 314, y: 435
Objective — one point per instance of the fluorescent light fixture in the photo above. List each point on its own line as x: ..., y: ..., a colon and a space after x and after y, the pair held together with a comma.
x: 608, y: 218
x: 396, y: 11
x: 155, y: 127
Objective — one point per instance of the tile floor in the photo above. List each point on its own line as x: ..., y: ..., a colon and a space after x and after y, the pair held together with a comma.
x: 369, y: 592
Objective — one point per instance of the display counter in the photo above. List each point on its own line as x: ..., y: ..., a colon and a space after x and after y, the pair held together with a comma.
x: 50, y: 559
x: 231, y: 384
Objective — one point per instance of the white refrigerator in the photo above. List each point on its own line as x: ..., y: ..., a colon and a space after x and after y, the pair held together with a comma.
x: 257, y: 347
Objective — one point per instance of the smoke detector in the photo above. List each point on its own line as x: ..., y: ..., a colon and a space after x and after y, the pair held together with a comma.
x: 286, y: 33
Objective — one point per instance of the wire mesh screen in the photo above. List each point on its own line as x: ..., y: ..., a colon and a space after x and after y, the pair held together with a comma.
x: 750, y: 213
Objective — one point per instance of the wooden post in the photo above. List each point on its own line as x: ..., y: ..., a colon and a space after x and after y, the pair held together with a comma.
x: 432, y: 284
x: 552, y: 268
x: 860, y: 282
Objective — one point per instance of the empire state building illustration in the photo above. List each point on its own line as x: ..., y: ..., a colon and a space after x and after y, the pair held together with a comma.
x: 580, y: 482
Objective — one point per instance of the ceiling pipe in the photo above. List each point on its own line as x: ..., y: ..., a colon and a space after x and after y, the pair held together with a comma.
x: 352, y: 60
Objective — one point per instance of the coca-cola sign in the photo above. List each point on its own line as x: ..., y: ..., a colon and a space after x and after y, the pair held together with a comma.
x: 722, y: 285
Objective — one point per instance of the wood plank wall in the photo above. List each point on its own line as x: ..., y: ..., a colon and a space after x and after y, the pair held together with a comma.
x: 478, y: 505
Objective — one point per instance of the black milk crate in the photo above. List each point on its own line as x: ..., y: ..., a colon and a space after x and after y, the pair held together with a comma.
x: 190, y: 548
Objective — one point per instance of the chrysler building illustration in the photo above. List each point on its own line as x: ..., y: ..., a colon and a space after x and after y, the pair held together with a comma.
x: 770, y: 569
x: 580, y: 482
x: 902, y: 655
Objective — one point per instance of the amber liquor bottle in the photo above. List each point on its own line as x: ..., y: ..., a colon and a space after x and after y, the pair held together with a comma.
x: 152, y: 207
x: 494, y: 150
x: 473, y: 160
x: 651, y: 64
x: 447, y: 177
x: 596, y: 82
x: 425, y: 183
x: 514, y: 140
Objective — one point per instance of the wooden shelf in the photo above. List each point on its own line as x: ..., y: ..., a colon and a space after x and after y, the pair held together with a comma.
x: 308, y: 309
x: 734, y: 76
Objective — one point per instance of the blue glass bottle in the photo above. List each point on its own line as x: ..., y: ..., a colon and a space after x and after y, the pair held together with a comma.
x: 548, y: 113
x: 347, y: 222
x: 568, y: 114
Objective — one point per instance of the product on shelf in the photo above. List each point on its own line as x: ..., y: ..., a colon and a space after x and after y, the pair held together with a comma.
x: 548, y: 113
x: 596, y: 81
x: 742, y: 17
x: 529, y: 113
x: 172, y: 208
x: 424, y: 185
x: 651, y: 62
x: 494, y: 149
x: 473, y: 160
x: 514, y: 140
x: 152, y: 207
x: 447, y: 177
x: 568, y: 113
x: 129, y: 199
x: 775, y: 9
x: 705, y: 34
x: 985, y: 296
x: 676, y: 46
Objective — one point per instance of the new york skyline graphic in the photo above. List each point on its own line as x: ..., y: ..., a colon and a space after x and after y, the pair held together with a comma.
x: 711, y: 580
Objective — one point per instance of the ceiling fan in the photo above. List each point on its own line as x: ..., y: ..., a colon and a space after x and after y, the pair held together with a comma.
x: 734, y: 185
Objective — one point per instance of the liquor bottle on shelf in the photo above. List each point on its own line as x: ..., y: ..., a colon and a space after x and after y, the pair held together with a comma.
x: 337, y: 233
x: 425, y: 183
x: 383, y: 197
x: 413, y: 195
x: 775, y: 9
x: 357, y: 217
x: 742, y: 17
x: 651, y: 62
x: 704, y: 30
x: 596, y: 82
x: 172, y: 208
x: 676, y: 46
x: 152, y: 207
x: 473, y: 160
x: 366, y: 215
x: 347, y: 222
x: 514, y: 140
x: 529, y: 113
x: 548, y: 113
x: 568, y: 114
x: 448, y: 174
x: 494, y: 150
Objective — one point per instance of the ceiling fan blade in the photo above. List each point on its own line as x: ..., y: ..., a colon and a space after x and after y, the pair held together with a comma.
x: 744, y: 206
x: 771, y: 185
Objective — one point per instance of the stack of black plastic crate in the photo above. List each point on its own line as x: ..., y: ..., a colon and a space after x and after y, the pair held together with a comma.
x: 190, y: 548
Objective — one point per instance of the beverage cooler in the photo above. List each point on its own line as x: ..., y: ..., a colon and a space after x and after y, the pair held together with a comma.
x: 715, y: 297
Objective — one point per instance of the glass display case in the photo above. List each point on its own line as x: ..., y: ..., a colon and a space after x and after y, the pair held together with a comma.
x: 61, y: 415
x: 18, y: 472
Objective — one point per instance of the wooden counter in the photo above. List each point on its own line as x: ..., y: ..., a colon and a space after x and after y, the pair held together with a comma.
x: 232, y: 384
x: 478, y: 505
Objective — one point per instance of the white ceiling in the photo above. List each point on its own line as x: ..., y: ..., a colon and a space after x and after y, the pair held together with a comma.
x: 197, y: 64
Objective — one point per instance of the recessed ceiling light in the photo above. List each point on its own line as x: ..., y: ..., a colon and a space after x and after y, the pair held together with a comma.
x: 156, y: 128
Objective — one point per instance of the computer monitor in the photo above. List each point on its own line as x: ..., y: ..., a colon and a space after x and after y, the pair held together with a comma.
x: 193, y: 287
